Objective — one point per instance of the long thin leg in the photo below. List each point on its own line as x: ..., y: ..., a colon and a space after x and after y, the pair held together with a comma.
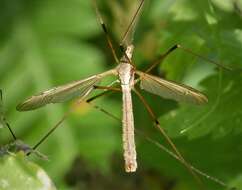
x: 203, y: 57
x: 105, y: 30
x: 4, y: 119
x: 98, y: 95
x: 160, y: 146
x: 163, y: 56
x: 50, y: 132
x: 105, y: 92
x: 63, y: 119
x: 132, y: 22
x: 107, y: 88
x: 11, y: 131
x: 157, y: 125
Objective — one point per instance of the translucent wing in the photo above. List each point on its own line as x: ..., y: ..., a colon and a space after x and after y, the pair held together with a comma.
x: 170, y: 90
x: 63, y: 93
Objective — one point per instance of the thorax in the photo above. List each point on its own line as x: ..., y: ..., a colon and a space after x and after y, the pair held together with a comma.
x: 125, y: 69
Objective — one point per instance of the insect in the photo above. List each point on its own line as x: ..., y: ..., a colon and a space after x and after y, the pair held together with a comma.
x: 128, y: 77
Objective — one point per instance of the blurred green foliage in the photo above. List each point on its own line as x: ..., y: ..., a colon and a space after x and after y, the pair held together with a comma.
x: 51, y: 42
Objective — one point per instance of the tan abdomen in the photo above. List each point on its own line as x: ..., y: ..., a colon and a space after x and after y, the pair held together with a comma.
x: 128, y: 131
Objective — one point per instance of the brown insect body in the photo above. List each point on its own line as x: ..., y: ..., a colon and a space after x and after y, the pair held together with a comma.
x: 126, y: 76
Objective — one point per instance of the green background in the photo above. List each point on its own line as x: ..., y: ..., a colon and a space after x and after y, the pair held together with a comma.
x: 51, y: 42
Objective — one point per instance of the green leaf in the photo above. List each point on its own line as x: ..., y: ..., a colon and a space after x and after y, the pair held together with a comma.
x: 223, y: 110
x: 19, y: 173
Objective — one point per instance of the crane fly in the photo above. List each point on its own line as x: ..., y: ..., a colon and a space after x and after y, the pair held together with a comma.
x: 129, y: 77
x: 126, y: 75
